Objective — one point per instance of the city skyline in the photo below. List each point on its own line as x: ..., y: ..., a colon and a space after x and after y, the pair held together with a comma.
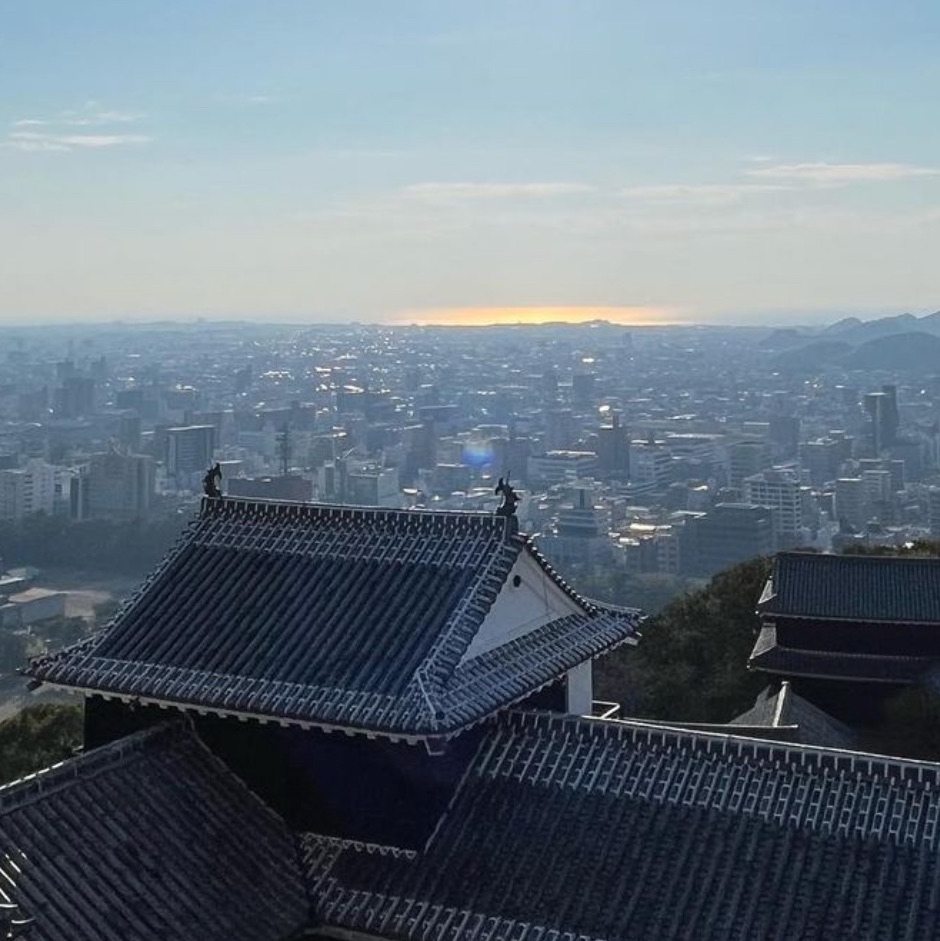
x: 427, y: 163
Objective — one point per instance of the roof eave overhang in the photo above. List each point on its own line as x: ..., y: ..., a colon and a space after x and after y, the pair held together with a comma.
x: 769, y: 613
x: 811, y: 675
x: 430, y: 738
x: 411, y: 738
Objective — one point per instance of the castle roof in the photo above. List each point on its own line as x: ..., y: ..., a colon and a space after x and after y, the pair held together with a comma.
x: 784, y: 711
x: 771, y: 656
x: 150, y: 838
x: 567, y: 827
x: 853, y: 587
x: 410, y: 624
x: 560, y: 827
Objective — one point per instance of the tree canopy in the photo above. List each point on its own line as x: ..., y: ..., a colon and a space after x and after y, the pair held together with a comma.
x: 37, y: 737
x: 691, y: 664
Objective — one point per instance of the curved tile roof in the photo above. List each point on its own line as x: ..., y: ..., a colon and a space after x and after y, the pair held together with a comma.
x: 853, y: 587
x: 150, y: 838
x: 355, y: 618
x: 770, y: 656
x: 572, y: 828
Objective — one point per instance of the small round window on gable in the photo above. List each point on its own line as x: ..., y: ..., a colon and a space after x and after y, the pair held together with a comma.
x: 516, y: 581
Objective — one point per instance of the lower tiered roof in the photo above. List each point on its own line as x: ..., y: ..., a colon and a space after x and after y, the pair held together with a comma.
x: 151, y: 839
x: 771, y: 656
x: 576, y: 828
x: 561, y: 828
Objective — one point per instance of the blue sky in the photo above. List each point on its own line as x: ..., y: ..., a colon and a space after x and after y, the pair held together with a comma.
x: 308, y: 160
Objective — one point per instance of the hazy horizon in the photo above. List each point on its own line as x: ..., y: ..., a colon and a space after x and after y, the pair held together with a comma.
x: 765, y: 163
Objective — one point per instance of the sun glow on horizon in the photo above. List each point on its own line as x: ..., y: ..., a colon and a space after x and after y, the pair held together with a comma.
x: 506, y: 316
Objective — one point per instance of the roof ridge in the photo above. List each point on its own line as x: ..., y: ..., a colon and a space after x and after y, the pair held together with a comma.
x: 853, y: 655
x: 328, y: 512
x: 588, y: 605
x: 457, y: 635
x: 857, y: 558
x: 39, y: 784
x: 521, y: 720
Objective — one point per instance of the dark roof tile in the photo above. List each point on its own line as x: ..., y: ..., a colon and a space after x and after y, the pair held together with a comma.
x: 854, y: 587
x: 346, y: 617
x: 771, y: 657
x: 567, y: 827
x: 139, y: 840
x: 783, y: 709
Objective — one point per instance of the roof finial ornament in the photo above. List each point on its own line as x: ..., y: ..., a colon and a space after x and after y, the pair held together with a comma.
x: 510, y: 498
x: 211, y: 483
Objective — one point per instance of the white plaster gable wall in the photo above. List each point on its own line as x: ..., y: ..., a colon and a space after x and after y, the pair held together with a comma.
x: 518, y: 610
x: 580, y: 689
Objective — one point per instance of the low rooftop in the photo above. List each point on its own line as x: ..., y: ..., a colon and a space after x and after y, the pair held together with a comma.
x: 607, y: 829
x: 150, y: 838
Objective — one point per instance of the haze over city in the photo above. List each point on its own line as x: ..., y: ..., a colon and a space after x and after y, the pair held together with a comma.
x: 489, y: 162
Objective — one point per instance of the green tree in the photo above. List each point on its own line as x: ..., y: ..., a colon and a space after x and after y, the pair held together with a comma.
x: 691, y: 664
x: 910, y: 726
x: 37, y: 737
x: 131, y: 547
x: 649, y: 591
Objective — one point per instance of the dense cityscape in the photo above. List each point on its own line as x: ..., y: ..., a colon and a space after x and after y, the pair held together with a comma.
x: 677, y: 451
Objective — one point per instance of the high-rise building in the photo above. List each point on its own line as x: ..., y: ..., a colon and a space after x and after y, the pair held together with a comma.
x: 780, y: 489
x: 650, y: 463
x: 583, y: 389
x: 120, y: 485
x: 189, y: 450
x: 580, y: 535
x: 882, y: 409
x: 554, y: 467
x: 747, y: 457
x: 27, y: 490
x: 75, y: 398
x: 823, y: 458
x: 613, y: 450
x: 852, y: 508
x: 784, y: 435
x: 728, y: 534
x: 933, y: 511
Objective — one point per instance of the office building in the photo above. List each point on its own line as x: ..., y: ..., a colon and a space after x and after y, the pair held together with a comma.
x: 189, y: 451
x: 120, y: 485
x: 728, y: 534
x: 780, y: 489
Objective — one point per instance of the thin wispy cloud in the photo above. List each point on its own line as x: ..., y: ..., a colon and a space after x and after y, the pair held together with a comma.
x: 37, y: 141
x: 469, y: 191
x: 249, y: 100
x: 85, y: 117
x: 842, y: 174
x: 34, y: 134
x: 101, y: 118
x: 700, y: 194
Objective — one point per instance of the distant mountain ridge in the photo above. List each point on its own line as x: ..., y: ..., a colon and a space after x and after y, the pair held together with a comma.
x: 890, y: 343
x: 855, y: 330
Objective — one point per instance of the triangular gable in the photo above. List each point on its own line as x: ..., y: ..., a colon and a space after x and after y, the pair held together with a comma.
x: 529, y: 599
